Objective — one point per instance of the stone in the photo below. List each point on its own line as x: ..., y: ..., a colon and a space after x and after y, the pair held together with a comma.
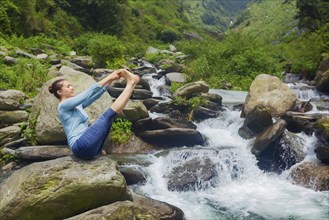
x: 48, y: 129
x: 322, y: 153
x: 119, y: 210
x: 12, y: 117
x: 11, y: 99
x: 311, y: 175
x: 39, y: 153
x: 190, y: 89
x: 322, y: 81
x: 9, y: 134
x: 135, y: 110
x: 41, y: 190
x: 270, y: 92
x: 173, y: 137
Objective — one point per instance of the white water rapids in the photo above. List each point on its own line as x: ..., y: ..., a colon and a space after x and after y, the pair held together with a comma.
x: 240, y: 189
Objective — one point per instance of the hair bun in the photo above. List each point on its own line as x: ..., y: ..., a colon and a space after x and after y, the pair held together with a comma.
x: 50, y: 88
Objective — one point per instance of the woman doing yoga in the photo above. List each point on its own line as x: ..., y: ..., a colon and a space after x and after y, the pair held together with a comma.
x: 87, y: 141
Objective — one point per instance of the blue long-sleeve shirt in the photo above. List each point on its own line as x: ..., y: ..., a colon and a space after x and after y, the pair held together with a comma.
x: 72, y: 114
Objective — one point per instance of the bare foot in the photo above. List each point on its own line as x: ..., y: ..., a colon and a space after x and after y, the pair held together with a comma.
x: 130, y: 77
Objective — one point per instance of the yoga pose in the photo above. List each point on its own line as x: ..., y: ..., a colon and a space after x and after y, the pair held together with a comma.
x: 87, y: 141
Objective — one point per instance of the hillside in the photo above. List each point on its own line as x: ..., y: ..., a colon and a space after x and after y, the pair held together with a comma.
x: 214, y: 15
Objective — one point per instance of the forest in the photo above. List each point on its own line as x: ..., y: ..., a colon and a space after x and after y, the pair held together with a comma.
x: 236, y: 41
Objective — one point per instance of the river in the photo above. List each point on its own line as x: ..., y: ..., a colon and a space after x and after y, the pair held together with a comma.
x: 240, y: 189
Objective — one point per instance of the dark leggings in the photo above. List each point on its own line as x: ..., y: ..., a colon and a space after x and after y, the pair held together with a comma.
x: 90, y: 143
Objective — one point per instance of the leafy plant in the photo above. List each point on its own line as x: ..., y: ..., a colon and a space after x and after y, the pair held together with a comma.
x: 121, y: 130
x: 29, y: 131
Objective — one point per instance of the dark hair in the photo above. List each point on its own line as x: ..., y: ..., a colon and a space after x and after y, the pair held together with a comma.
x: 57, y: 85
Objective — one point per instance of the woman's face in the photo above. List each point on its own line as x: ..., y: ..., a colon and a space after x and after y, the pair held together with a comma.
x: 67, y: 90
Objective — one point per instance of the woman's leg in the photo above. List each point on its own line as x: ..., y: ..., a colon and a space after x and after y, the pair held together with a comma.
x: 92, y: 140
x: 124, y: 97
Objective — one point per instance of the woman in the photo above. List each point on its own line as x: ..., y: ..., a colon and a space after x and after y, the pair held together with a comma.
x: 87, y: 141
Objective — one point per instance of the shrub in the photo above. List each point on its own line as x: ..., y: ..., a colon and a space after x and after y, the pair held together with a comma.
x: 106, y: 50
x: 168, y: 36
x: 121, y: 131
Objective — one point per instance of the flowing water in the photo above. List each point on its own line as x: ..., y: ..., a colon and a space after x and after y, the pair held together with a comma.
x: 240, y: 190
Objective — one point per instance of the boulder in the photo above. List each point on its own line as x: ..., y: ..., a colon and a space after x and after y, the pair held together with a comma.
x: 322, y: 81
x: 41, y: 190
x: 268, y: 136
x: 134, y: 145
x: 176, y: 77
x: 48, y: 129
x: 173, y: 137
x: 12, y: 117
x: 193, y: 175
x: 258, y: 119
x: 322, y: 153
x: 311, y: 175
x: 160, y: 209
x: 9, y: 134
x: 119, y: 210
x: 300, y: 122
x: 39, y: 153
x: 135, y: 110
x: 11, y: 99
x: 270, y: 92
x: 322, y: 128
x: 190, y: 89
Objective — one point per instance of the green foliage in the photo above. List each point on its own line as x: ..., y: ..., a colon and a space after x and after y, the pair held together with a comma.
x: 106, y: 50
x: 168, y: 35
x: 26, y: 75
x: 236, y: 60
x: 312, y: 14
x: 121, y: 131
x: 5, y: 158
x: 29, y: 131
x: 175, y: 85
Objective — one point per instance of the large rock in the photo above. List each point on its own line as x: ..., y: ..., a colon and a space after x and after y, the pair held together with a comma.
x: 322, y: 128
x: 270, y: 92
x: 126, y: 210
x: 268, y: 136
x: 193, y: 175
x: 48, y: 129
x: 9, y: 134
x: 61, y: 188
x: 322, y: 81
x: 258, y: 119
x: 190, y: 89
x: 173, y: 137
x: 311, y: 175
x: 11, y: 99
x: 38, y: 153
x: 11, y: 117
x: 135, y: 110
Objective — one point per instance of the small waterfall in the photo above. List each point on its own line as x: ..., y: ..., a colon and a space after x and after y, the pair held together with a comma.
x: 304, y: 92
x: 239, y: 189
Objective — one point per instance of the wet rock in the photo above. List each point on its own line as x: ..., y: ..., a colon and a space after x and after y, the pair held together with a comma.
x: 176, y: 77
x: 268, y: 136
x: 322, y: 128
x: 192, y: 175
x: 173, y: 137
x: 302, y: 106
x: 300, y: 122
x: 133, y: 175
x: 160, y: 209
x: 256, y: 121
x: 150, y: 102
x: 322, y: 153
x: 119, y: 210
x: 322, y: 81
x: 311, y: 175
x: 201, y: 113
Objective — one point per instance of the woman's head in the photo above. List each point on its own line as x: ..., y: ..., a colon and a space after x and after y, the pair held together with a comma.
x: 61, y: 88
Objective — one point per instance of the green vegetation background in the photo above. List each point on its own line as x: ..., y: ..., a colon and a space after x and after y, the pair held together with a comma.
x: 267, y: 36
